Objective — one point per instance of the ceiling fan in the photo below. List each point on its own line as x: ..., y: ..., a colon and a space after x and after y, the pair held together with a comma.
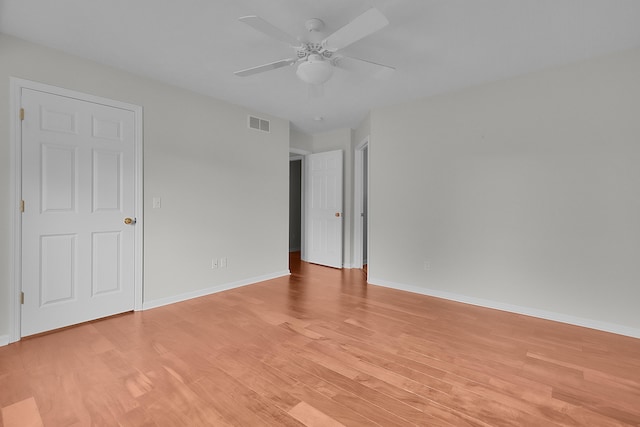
x: 317, y: 57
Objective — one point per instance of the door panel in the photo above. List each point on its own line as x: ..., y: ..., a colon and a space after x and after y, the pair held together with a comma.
x: 105, y: 263
x: 78, y: 184
x: 107, y: 181
x: 58, y: 269
x: 324, y: 208
x: 59, y: 174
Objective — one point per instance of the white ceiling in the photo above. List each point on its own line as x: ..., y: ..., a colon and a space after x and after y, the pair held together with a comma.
x: 436, y: 45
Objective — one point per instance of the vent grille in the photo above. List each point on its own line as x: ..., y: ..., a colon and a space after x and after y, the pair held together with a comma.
x: 258, y: 124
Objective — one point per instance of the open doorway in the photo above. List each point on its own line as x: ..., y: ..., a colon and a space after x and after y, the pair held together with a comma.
x: 365, y: 203
x: 297, y: 221
x: 361, y: 205
x: 295, y: 204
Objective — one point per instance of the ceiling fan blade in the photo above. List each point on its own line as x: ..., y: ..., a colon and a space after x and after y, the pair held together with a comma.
x: 265, y: 67
x: 379, y: 71
x: 269, y: 29
x: 367, y: 23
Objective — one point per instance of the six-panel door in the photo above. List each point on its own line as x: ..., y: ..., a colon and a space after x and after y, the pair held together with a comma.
x: 78, y: 176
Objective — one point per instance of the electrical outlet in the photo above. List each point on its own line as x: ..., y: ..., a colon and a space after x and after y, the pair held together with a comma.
x: 214, y: 263
x: 223, y: 262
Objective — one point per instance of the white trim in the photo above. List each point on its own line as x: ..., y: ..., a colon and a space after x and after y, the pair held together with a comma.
x: 16, y: 86
x: 299, y: 151
x: 212, y: 290
x: 303, y: 209
x: 358, y: 190
x: 517, y: 309
x: 15, y: 180
x: 139, y: 209
x: 4, y: 340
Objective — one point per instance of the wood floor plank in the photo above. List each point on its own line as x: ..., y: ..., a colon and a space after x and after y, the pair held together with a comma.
x: 285, y: 391
x: 310, y: 416
x: 24, y: 413
x: 341, y: 397
x: 321, y: 347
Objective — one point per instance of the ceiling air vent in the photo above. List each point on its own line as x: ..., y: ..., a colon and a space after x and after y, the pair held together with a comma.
x: 258, y: 124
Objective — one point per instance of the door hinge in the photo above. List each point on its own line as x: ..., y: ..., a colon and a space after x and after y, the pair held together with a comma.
x: 22, y: 206
x: 21, y: 297
x: 21, y: 114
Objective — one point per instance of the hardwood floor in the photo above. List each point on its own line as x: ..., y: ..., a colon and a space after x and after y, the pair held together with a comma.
x: 321, y: 348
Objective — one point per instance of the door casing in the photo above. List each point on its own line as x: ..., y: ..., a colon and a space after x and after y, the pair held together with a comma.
x: 358, y: 208
x: 15, y: 196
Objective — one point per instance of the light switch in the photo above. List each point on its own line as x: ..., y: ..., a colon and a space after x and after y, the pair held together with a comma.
x: 157, y: 203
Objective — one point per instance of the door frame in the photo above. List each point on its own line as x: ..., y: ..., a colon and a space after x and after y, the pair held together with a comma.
x: 358, y: 195
x: 15, y: 192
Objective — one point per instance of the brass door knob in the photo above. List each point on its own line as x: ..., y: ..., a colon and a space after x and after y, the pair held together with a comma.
x: 129, y: 221
x: 337, y: 214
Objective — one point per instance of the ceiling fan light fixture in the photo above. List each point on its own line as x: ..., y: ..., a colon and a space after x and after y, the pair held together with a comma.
x: 315, y: 70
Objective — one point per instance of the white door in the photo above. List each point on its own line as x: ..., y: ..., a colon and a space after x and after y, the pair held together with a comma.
x: 324, y: 208
x: 78, y: 186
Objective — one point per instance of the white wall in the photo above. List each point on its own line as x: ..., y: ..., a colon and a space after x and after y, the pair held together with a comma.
x: 362, y: 131
x: 224, y: 187
x: 300, y: 140
x: 521, y: 194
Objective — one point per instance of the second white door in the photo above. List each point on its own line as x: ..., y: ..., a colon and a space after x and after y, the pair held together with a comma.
x: 324, y: 214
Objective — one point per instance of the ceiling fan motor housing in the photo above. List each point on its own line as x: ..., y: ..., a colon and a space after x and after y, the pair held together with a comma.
x: 309, y: 49
x: 314, y: 24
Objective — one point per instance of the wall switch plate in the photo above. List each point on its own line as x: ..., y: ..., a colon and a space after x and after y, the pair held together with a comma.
x: 157, y: 203
x: 427, y: 265
x: 214, y: 263
x: 223, y: 262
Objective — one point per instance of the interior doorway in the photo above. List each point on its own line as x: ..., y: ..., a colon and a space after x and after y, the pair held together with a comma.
x: 295, y: 204
x: 297, y: 157
x: 365, y: 203
x: 361, y: 206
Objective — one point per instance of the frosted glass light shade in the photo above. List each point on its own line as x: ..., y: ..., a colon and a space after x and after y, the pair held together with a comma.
x: 315, y: 70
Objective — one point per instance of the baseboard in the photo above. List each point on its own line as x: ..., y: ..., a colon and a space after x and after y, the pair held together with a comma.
x: 4, y: 340
x: 352, y: 266
x: 146, y: 305
x: 527, y: 311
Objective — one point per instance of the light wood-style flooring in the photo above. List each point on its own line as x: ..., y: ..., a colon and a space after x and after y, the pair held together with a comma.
x: 321, y: 348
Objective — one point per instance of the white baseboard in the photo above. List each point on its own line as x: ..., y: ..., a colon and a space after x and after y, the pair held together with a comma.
x: 351, y: 266
x: 527, y: 311
x: 4, y: 340
x: 146, y: 305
